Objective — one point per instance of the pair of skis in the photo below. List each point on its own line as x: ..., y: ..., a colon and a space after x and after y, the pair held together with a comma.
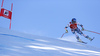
x: 77, y: 41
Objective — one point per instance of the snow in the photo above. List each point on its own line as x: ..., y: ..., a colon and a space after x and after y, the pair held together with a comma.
x: 14, y: 43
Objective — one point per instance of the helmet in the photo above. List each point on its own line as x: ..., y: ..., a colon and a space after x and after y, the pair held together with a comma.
x: 73, y: 20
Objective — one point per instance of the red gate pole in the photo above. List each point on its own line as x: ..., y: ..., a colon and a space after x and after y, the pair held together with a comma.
x: 2, y: 3
x: 10, y: 19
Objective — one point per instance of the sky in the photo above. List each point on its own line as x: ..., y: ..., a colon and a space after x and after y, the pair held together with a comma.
x: 49, y: 17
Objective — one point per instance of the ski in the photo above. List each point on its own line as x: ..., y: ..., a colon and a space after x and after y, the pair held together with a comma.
x: 82, y: 42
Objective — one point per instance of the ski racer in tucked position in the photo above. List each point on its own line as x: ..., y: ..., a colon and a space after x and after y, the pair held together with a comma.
x: 73, y: 25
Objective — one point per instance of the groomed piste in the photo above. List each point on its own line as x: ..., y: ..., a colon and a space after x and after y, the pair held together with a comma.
x: 14, y: 43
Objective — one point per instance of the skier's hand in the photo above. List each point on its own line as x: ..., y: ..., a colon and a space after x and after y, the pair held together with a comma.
x: 82, y: 29
x: 66, y: 31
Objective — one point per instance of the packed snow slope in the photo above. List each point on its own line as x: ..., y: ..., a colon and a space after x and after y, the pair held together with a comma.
x: 13, y: 43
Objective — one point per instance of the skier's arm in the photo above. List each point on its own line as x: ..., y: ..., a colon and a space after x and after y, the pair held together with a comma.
x: 67, y: 26
x: 81, y: 26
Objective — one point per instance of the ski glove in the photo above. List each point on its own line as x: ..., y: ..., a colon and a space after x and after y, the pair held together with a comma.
x: 66, y: 31
x: 82, y: 29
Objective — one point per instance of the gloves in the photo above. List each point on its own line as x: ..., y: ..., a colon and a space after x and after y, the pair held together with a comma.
x: 82, y: 29
x: 66, y: 31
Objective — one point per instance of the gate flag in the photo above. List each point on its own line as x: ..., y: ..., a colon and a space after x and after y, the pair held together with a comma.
x: 6, y: 13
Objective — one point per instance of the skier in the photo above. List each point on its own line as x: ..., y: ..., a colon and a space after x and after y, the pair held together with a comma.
x: 73, y: 25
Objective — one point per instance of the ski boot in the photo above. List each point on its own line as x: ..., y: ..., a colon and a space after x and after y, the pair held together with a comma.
x: 79, y: 40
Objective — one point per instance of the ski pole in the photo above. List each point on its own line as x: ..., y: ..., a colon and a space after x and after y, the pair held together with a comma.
x: 92, y: 31
x: 63, y: 34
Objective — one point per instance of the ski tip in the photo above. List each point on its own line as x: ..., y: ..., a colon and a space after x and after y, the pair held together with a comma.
x: 92, y: 38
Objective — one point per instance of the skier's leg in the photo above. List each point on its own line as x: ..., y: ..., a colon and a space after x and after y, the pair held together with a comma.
x: 81, y: 33
x: 77, y: 37
x: 88, y: 37
x: 73, y: 31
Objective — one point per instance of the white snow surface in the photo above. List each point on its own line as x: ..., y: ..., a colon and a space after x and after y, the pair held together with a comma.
x: 14, y: 43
